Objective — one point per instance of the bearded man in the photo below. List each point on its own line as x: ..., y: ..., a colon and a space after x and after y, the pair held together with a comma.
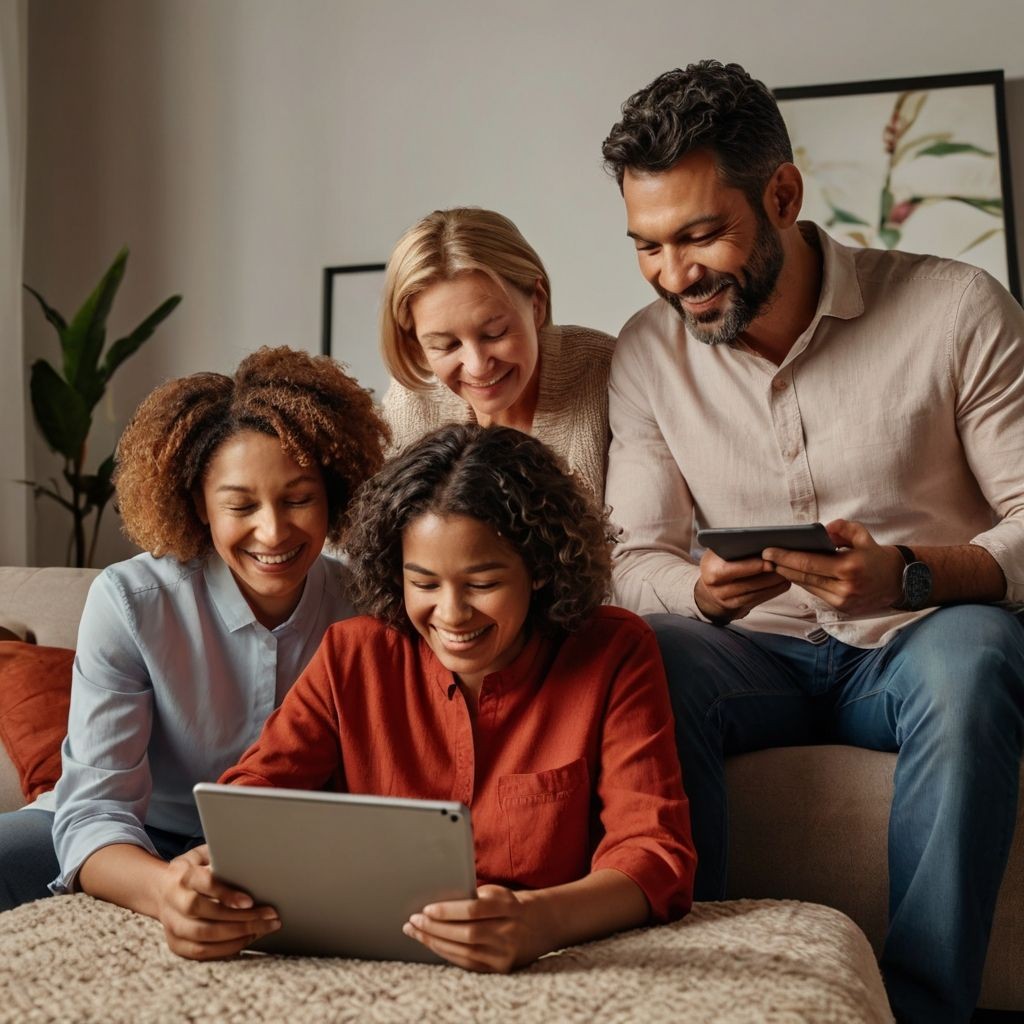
x: 782, y: 378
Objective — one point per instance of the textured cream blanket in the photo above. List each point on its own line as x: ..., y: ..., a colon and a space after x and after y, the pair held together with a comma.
x: 73, y: 959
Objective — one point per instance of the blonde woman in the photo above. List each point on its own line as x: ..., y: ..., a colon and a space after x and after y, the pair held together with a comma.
x: 466, y: 333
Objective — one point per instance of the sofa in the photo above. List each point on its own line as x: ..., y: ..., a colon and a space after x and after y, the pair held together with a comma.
x: 806, y: 823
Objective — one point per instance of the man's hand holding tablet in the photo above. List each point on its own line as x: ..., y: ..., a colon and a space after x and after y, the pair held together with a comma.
x: 840, y: 563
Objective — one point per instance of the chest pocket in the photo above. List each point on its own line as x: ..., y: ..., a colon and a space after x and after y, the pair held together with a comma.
x: 547, y: 815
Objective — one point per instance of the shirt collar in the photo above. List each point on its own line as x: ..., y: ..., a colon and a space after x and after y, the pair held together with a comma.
x: 841, y: 294
x: 306, y: 611
x: 526, y: 670
x: 233, y: 608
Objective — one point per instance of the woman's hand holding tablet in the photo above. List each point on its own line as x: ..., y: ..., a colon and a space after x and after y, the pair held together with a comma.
x: 503, y: 928
x: 204, y: 919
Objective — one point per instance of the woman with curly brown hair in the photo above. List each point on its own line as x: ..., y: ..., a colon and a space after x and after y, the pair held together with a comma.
x: 231, y: 485
x: 488, y: 672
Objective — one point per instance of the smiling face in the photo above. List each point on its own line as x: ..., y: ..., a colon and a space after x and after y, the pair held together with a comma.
x: 702, y: 246
x: 480, y: 341
x: 467, y: 593
x: 268, y: 520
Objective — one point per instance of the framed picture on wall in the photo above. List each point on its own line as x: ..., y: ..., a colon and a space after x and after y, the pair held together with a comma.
x: 919, y: 164
x: 351, y: 306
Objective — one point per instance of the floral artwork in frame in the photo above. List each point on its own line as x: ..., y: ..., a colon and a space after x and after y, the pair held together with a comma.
x: 918, y: 164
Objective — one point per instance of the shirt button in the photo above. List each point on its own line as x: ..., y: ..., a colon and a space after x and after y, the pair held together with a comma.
x: 779, y: 384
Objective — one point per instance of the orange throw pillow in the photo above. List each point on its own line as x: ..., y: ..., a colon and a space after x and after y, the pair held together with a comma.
x: 35, y: 695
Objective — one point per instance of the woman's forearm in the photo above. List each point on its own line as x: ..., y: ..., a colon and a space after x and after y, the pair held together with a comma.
x: 126, y: 875
x: 605, y: 901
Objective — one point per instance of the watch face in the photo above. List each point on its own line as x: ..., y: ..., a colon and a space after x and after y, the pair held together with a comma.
x: 917, y: 586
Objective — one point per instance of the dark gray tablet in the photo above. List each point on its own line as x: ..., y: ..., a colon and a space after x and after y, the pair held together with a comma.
x: 735, y: 543
x: 344, y: 872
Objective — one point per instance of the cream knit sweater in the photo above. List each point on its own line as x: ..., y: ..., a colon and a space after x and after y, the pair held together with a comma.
x: 572, y: 405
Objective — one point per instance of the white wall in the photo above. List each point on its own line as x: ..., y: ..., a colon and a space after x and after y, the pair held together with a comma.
x: 14, y: 496
x: 240, y: 146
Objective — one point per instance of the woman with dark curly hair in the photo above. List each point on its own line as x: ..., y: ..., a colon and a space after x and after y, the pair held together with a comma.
x: 231, y: 485
x: 488, y: 672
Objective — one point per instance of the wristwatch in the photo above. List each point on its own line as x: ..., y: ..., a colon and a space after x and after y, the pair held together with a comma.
x: 917, y: 582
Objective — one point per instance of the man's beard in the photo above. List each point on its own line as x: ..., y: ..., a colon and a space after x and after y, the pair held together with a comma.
x: 748, y: 300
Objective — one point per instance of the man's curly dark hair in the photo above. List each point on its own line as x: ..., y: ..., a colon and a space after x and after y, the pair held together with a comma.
x: 707, y: 105
x: 321, y: 416
x: 506, y: 479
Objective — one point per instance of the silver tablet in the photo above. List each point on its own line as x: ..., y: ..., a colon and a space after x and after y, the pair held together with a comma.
x: 344, y: 872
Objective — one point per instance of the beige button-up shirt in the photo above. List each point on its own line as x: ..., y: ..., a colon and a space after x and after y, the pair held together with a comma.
x: 900, y: 406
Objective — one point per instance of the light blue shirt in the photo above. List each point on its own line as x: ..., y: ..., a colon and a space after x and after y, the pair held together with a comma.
x: 173, y: 680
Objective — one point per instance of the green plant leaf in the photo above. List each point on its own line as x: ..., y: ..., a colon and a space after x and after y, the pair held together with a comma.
x: 890, y: 236
x: 97, y: 488
x: 60, y: 410
x: 48, y: 311
x: 886, y: 206
x: 106, y: 470
x: 84, y: 338
x: 75, y: 483
x: 992, y: 206
x: 949, y: 148
x: 841, y: 216
x: 124, y: 347
x: 983, y: 237
x: 919, y: 140
x: 39, y: 489
x: 97, y: 491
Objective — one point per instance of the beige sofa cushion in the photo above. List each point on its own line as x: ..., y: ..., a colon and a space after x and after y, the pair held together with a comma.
x: 44, y: 604
x: 811, y: 823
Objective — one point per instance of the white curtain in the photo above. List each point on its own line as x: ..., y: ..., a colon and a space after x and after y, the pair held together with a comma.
x: 14, y: 424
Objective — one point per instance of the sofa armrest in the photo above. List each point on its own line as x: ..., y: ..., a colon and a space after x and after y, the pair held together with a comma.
x: 44, y: 605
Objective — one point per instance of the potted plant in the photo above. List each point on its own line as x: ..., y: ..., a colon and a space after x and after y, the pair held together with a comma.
x: 63, y: 402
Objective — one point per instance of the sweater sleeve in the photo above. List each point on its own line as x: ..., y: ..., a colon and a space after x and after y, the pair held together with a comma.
x: 644, y: 811
x: 299, y: 747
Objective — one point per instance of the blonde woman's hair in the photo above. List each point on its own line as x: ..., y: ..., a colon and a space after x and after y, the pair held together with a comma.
x: 441, y: 246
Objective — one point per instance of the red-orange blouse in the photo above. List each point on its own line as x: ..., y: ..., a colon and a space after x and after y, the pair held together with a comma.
x: 571, y: 764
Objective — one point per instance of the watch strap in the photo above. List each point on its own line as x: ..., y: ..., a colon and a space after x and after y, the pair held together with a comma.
x: 908, y: 556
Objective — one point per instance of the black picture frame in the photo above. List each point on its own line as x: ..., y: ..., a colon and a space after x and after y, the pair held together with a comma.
x: 349, y: 332
x: 955, y: 223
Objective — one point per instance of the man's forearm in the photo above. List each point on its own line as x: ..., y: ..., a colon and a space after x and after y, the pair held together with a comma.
x: 962, y: 572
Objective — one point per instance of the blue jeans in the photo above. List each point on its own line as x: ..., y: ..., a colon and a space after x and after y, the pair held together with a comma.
x: 947, y: 693
x: 28, y: 863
